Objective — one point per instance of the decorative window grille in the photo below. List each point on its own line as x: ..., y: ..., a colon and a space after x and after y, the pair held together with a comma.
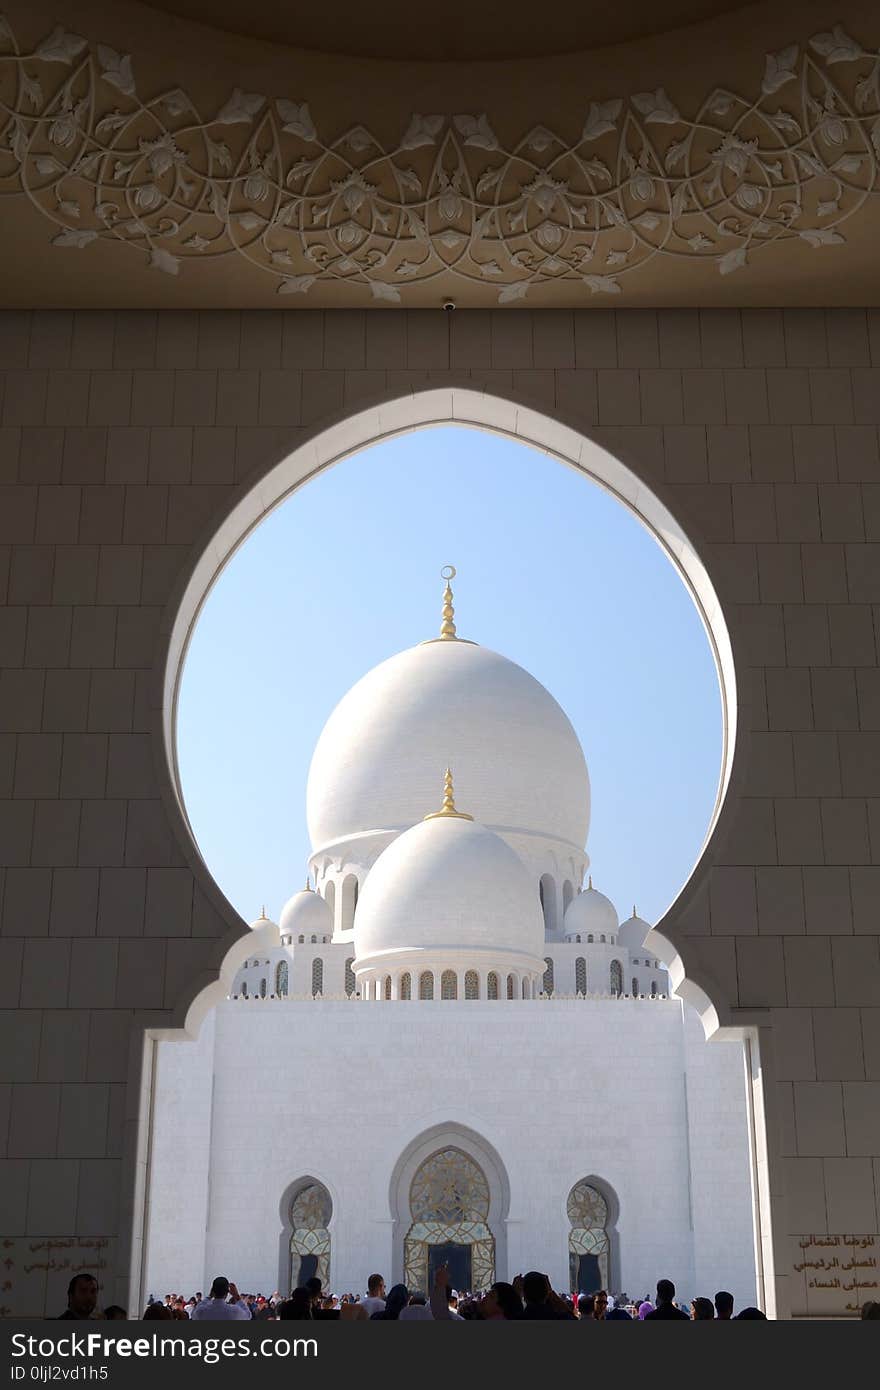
x: 350, y: 981
x: 511, y: 987
x: 387, y: 986
x: 406, y: 985
x: 492, y: 985
x: 548, y: 976
x: 426, y: 985
x: 616, y: 977
x: 580, y: 975
x: 471, y: 985
x: 317, y: 976
x: 449, y: 985
x: 263, y: 988
x: 282, y: 978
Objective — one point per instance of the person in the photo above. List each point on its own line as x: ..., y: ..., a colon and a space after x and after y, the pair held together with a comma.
x: 82, y: 1297
x: 313, y: 1288
x: 618, y: 1314
x: 115, y: 1314
x: 157, y: 1312
x: 297, y: 1308
x: 417, y: 1309
x: 666, y: 1308
x: 501, y: 1303
x: 724, y: 1306
x: 395, y: 1303
x: 375, y: 1299
x: 752, y: 1315
x: 600, y: 1305
x: 585, y: 1305
x: 215, y: 1307
x: 452, y: 1304
x: 353, y: 1312
x: 540, y: 1300
x: 645, y: 1307
x: 870, y: 1311
x: 702, y: 1310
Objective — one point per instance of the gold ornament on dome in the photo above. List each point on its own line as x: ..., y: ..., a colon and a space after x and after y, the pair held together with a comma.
x: 793, y: 159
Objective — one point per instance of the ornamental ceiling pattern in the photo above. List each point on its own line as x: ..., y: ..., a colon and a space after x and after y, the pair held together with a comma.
x: 794, y: 159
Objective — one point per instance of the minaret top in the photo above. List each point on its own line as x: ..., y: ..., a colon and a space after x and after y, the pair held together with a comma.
x: 448, y: 807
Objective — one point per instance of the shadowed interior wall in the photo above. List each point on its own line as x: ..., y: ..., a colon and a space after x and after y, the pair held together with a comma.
x: 125, y: 437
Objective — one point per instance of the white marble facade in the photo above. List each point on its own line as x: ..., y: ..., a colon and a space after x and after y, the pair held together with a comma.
x: 452, y: 983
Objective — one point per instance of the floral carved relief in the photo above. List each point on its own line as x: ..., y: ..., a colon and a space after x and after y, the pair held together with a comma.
x: 794, y: 159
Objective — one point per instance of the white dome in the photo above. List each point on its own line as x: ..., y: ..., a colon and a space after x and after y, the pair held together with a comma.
x: 517, y: 760
x: 633, y: 932
x: 590, y: 913
x: 448, y: 884
x: 306, y: 914
x: 262, y: 921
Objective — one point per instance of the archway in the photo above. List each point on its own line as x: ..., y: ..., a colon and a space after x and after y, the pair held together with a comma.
x: 449, y: 1201
x: 505, y: 417
x: 589, y: 1239
x: 305, y: 1246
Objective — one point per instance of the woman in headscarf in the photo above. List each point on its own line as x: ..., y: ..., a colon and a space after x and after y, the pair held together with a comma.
x: 396, y: 1301
x: 644, y: 1309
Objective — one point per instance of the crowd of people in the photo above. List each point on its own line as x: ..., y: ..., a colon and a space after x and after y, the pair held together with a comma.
x: 530, y: 1297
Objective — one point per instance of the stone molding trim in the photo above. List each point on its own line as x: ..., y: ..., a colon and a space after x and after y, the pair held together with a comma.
x: 791, y: 160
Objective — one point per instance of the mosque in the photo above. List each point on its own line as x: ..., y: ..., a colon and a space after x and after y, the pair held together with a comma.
x: 450, y: 1048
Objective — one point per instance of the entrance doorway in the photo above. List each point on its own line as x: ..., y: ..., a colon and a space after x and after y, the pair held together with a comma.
x: 458, y: 1260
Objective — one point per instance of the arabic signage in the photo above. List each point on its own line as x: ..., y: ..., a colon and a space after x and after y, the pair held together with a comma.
x: 834, y: 1275
x: 34, y: 1274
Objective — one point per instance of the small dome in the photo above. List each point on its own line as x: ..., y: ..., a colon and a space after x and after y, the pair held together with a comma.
x: 306, y: 914
x: 590, y: 913
x: 633, y: 932
x: 262, y: 921
x: 448, y: 884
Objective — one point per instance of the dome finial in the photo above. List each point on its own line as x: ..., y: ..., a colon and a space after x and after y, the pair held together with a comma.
x: 447, y: 627
x: 263, y: 917
x: 308, y: 887
x: 590, y: 881
x: 448, y: 807
x: 635, y: 914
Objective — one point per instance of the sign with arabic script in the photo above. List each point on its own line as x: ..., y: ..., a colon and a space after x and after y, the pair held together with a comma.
x: 834, y: 1275
x: 34, y: 1274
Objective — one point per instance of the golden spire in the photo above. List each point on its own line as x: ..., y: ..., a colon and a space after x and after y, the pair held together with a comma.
x: 448, y: 807
x: 263, y: 917
x: 590, y: 881
x: 447, y: 627
x: 308, y: 887
x: 635, y: 914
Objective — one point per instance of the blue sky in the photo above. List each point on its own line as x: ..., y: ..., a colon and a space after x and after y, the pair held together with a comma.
x: 551, y: 571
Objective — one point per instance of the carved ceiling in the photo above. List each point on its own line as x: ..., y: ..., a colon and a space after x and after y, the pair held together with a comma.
x: 147, y: 160
x: 459, y: 30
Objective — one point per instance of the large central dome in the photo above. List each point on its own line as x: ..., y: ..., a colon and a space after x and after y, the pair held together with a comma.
x: 517, y: 758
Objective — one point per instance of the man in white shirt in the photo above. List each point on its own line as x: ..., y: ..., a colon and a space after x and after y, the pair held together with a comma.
x: 375, y: 1299
x: 216, y: 1308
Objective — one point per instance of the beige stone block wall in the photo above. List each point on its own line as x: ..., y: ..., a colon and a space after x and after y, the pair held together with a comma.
x: 126, y: 437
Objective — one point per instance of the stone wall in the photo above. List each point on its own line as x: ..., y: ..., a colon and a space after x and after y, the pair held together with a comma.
x: 127, y: 436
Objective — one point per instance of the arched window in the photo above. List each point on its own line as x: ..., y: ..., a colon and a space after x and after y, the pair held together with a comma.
x: 330, y: 900
x: 406, y: 985
x: 492, y: 985
x: 449, y: 1201
x: 653, y: 989
x: 635, y: 987
x: 244, y: 990
x: 526, y: 992
x: 317, y: 976
x: 471, y: 985
x: 387, y: 986
x: 314, y: 941
x: 426, y: 985
x: 616, y: 977
x: 310, y: 1213
x: 548, y: 975
x: 547, y: 894
x: 449, y: 985
x: 348, y: 902
x: 602, y: 939
x: 580, y: 975
x: 578, y: 940
x: 350, y: 981
x: 590, y: 939
x: 282, y: 978
x: 302, y: 940
x: 588, y: 1240
x: 511, y: 987
x: 567, y: 895
x: 263, y: 988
